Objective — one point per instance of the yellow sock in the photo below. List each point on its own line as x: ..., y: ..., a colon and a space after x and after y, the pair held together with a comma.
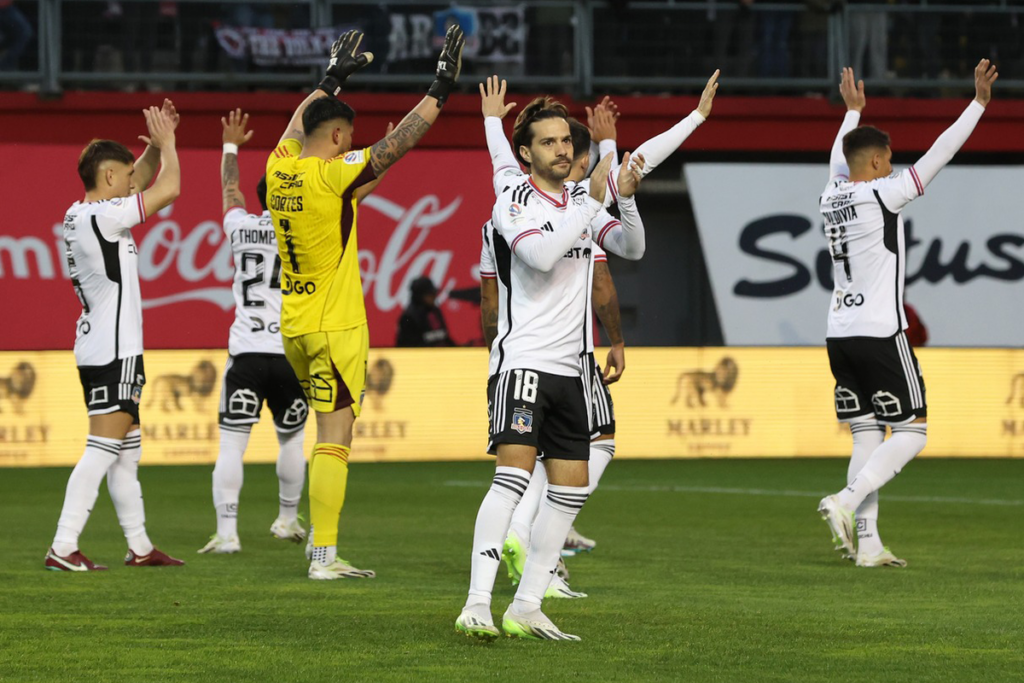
x: 328, y: 476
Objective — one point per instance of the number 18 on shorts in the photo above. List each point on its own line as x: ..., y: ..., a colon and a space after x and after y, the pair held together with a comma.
x: 538, y: 409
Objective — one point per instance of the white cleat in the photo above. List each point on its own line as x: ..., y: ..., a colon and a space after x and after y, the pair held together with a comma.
x: 575, y: 543
x: 339, y: 569
x: 561, y: 570
x: 309, y: 544
x: 882, y: 559
x: 533, y: 626
x: 559, y: 590
x: 840, y: 522
x: 476, y: 622
x: 288, y: 530
x: 221, y: 546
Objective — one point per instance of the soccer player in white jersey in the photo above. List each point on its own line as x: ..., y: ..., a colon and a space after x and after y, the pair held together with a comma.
x: 543, y: 233
x: 257, y: 369
x: 103, y: 264
x: 878, y: 379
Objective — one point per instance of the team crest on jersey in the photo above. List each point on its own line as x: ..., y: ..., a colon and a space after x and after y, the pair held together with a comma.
x: 353, y: 158
x: 136, y: 394
x: 116, y: 202
x: 515, y: 210
x: 522, y: 420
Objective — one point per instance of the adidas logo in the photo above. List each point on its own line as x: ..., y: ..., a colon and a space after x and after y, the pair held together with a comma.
x: 547, y: 227
x: 492, y: 553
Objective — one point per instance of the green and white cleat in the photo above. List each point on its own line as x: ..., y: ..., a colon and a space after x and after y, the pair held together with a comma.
x: 309, y: 544
x: 339, y: 569
x: 576, y: 543
x: 514, y: 554
x: 476, y: 622
x: 840, y: 523
x: 221, y: 546
x: 561, y: 570
x: 559, y: 590
x: 532, y: 626
x: 882, y: 559
x: 288, y: 530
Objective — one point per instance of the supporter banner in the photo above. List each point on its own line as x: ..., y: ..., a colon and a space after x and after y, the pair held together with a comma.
x: 417, y: 222
x: 431, y: 405
x: 771, y: 274
x: 493, y: 34
x: 278, y: 47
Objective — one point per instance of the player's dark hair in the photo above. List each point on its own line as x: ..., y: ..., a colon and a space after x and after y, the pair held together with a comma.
x: 94, y: 154
x: 864, y: 138
x: 320, y: 111
x: 538, y: 110
x: 261, y: 191
x: 580, y: 139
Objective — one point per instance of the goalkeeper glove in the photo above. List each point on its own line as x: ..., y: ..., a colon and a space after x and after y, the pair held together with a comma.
x: 344, y: 61
x: 449, y: 64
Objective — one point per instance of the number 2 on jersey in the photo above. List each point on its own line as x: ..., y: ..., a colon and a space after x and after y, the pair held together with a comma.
x: 256, y: 261
x: 526, y: 386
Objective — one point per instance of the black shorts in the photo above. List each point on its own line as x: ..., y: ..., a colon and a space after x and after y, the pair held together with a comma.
x: 603, y: 420
x: 252, y: 378
x: 548, y: 412
x: 114, y: 387
x: 879, y: 377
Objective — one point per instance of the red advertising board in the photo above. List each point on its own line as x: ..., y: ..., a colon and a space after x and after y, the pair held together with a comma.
x: 423, y: 219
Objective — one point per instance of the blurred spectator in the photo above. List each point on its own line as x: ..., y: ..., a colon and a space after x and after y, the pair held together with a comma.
x: 917, y: 333
x: 15, y: 34
x: 812, y: 26
x: 422, y: 323
x: 733, y: 35
x: 774, y: 27
x: 868, y: 34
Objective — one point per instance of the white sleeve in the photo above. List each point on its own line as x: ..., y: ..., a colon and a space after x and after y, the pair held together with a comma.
x: 625, y: 237
x: 114, y: 216
x: 487, y: 269
x: 658, y: 148
x: 837, y: 166
x: 504, y: 165
x: 541, y: 249
x: 234, y: 219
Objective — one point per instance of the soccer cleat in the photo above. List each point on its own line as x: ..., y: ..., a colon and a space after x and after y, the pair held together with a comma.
x: 221, y: 546
x: 309, y: 544
x: 288, y: 530
x: 75, y: 562
x: 576, y: 543
x: 840, y: 522
x: 339, y: 569
x: 882, y: 559
x: 514, y: 554
x: 532, y: 626
x: 559, y: 589
x: 156, y: 558
x: 476, y: 622
x: 561, y: 570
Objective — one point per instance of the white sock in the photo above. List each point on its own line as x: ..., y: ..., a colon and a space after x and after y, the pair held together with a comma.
x: 549, y: 531
x: 492, y: 523
x: 126, y: 492
x: 868, y: 434
x: 291, y: 473
x: 227, y: 479
x: 325, y: 554
x: 601, y: 454
x: 82, y: 490
x: 526, y: 511
x: 885, y: 463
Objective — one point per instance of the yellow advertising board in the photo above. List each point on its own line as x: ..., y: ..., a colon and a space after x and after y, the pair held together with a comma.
x: 431, y: 405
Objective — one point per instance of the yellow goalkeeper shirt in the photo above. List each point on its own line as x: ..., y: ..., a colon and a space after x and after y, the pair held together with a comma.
x: 312, y: 202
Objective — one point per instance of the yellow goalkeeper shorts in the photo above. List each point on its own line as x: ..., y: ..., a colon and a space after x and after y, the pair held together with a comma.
x: 331, y: 367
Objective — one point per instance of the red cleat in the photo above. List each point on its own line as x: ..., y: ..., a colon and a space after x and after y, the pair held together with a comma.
x: 155, y: 558
x: 75, y: 562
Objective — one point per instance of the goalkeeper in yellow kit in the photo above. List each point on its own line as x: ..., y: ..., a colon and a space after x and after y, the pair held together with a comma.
x: 313, y: 184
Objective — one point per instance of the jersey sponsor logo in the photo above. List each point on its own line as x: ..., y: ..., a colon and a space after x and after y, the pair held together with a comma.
x: 354, y: 158
x: 849, y: 300
x: 288, y: 180
x: 522, y: 420
x: 886, y: 404
x: 578, y: 252
x: 244, y: 402
x: 846, y: 400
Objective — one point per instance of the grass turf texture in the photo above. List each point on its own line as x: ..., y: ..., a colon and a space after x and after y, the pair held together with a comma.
x: 684, y: 585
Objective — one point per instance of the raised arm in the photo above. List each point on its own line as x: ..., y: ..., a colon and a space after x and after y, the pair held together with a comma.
x: 606, y: 305
x: 167, y: 186
x: 626, y: 237
x: 602, y: 120
x: 494, y: 109
x: 657, y: 149
x: 417, y: 122
x: 234, y: 136
x: 853, y: 95
x: 148, y: 163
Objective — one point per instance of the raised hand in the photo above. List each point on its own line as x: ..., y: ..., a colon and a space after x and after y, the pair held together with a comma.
x: 492, y: 98
x: 599, y: 178
x: 707, y: 98
x: 985, y: 75
x: 602, y: 123
x: 852, y: 91
x: 449, y: 65
x: 630, y: 174
x: 345, y: 60
x: 161, y: 129
x: 234, y: 128
x: 170, y: 111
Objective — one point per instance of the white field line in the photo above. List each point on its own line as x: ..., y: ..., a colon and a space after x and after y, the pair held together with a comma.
x: 770, y: 492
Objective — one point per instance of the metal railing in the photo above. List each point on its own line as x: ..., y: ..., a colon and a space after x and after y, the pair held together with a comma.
x: 576, y: 46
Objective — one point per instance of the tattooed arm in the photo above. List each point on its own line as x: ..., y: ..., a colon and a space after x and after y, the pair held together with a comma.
x: 606, y: 305
x: 489, y: 309
x: 234, y: 133
x: 395, y: 144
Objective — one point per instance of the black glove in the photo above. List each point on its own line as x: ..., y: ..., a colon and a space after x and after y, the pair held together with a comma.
x: 344, y: 61
x: 449, y: 64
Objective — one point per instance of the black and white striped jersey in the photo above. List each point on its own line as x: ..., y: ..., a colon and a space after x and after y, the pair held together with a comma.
x: 257, y: 283
x: 103, y: 265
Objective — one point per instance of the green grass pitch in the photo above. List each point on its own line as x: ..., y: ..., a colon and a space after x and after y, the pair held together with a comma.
x: 706, y: 570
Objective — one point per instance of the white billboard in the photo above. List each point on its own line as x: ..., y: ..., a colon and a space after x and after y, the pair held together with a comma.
x: 771, y: 274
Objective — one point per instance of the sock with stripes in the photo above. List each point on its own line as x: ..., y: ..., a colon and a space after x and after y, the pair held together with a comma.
x: 601, y: 454
x: 227, y: 478
x: 868, y: 434
x: 126, y: 493
x: 492, y: 522
x: 82, y: 490
x: 885, y: 463
x: 526, y: 511
x: 291, y: 473
x: 328, y: 479
x: 549, y: 531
